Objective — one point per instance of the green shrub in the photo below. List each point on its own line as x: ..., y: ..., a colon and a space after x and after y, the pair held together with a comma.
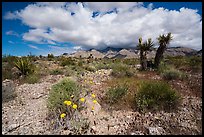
x: 31, y: 79
x: 114, y: 94
x: 186, y: 62
x: 156, y: 96
x: 8, y: 58
x: 120, y: 70
x: 195, y: 62
x: 66, y: 61
x: 56, y: 72
x: 73, y: 120
x: 24, y: 65
x: 163, y: 67
x: 168, y: 72
x: 177, y: 61
x: 90, y: 68
x: 173, y: 74
x: 101, y: 65
x: 80, y: 63
x: 68, y: 71
x: 7, y: 66
x: 131, y: 61
x: 60, y: 92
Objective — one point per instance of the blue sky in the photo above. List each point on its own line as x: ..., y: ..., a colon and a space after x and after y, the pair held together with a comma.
x: 22, y: 34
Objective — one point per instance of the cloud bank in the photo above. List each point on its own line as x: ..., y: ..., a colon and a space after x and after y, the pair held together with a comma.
x: 114, y: 24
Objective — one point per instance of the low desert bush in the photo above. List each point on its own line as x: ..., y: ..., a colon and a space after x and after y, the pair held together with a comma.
x: 131, y: 61
x: 173, y: 74
x: 65, y: 104
x: 56, y: 72
x: 61, y: 92
x: 116, y: 93
x: 89, y: 68
x: 156, y: 96
x: 68, y: 71
x: 66, y: 61
x: 195, y: 63
x: 168, y: 72
x: 120, y: 70
x: 31, y: 79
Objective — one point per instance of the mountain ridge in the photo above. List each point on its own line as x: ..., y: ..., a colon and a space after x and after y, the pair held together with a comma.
x: 111, y: 52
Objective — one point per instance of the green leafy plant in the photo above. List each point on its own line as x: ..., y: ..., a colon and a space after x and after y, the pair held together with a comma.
x: 61, y: 92
x: 173, y: 74
x: 56, y: 72
x: 7, y: 67
x: 31, y: 79
x: 168, y: 72
x: 90, y: 68
x: 65, y: 104
x: 195, y: 62
x: 24, y: 65
x: 115, y: 93
x: 156, y: 96
x: 121, y: 70
x: 66, y: 61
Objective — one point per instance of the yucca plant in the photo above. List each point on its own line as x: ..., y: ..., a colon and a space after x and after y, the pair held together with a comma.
x: 24, y: 66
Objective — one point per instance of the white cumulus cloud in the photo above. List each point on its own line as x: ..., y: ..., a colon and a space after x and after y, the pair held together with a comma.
x: 74, y: 22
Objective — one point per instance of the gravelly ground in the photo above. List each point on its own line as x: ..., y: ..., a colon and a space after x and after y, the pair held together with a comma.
x: 26, y: 114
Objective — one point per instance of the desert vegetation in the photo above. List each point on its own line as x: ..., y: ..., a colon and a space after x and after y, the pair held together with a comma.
x: 83, y: 92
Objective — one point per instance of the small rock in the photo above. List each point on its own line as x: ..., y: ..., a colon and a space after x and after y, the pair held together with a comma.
x: 156, y: 130
x: 13, y: 126
x: 93, y: 129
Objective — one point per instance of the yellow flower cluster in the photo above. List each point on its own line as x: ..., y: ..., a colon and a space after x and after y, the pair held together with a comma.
x: 74, y: 106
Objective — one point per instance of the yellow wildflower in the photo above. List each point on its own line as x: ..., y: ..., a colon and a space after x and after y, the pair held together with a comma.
x: 67, y: 102
x: 62, y: 115
x: 93, y: 95
x: 74, y: 106
x: 94, y: 101
x: 82, y: 99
